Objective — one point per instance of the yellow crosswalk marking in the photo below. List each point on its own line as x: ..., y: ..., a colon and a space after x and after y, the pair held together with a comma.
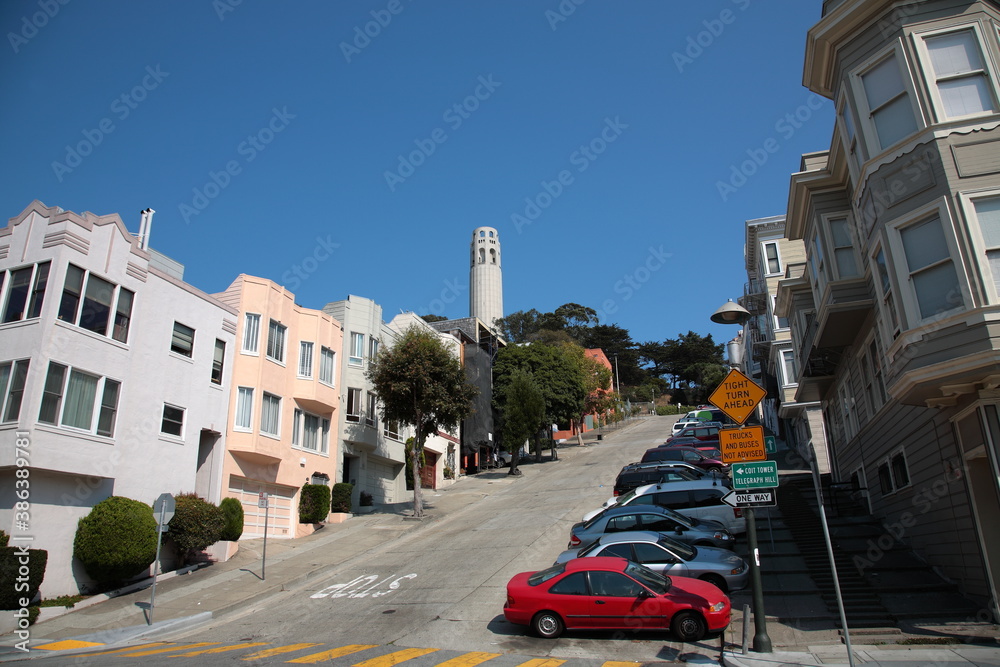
x: 278, y: 651
x: 539, y: 662
x: 615, y: 663
x: 396, y: 658
x: 67, y: 644
x: 221, y: 649
x: 127, y: 649
x: 334, y: 653
x: 176, y: 647
x: 468, y: 660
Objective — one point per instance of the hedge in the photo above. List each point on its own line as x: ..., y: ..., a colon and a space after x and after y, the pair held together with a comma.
x: 314, y: 502
x: 117, y: 540
x: 232, y: 513
x: 341, y: 497
x: 10, y: 564
x: 196, y: 524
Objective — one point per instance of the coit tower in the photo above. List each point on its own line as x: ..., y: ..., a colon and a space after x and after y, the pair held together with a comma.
x: 485, y: 277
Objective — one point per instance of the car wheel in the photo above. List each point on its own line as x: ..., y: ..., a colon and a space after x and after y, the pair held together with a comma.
x: 717, y: 470
x: 716, y: 581
x: 547, y: 624
x: 688, y: 626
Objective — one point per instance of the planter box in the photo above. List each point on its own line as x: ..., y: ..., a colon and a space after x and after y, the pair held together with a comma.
x: 338, y: 517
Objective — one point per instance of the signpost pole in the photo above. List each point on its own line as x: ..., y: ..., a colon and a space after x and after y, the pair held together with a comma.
x: 156, y: 563
x: 761, y: 641
x: 263, y: 558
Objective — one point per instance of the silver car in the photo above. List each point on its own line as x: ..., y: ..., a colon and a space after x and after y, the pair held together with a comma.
x: 661, y: 553
x: 650, y: 518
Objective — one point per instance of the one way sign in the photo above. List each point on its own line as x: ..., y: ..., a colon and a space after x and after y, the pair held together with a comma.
x: 761, y: 498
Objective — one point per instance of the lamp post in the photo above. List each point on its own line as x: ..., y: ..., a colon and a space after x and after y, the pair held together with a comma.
x: 733, y: 313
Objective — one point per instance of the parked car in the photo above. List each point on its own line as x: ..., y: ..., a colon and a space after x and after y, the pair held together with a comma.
x: 504, y: 456
x: 683, y: 423
x: 632, y: 597
x: 690, y: 499
x: 687, y: 529
x: 703, y: 431
x: 639, y: 474
x: 640, y: 493
x: 685, y: 454
x: 701, y: 445
x: 662, y: 553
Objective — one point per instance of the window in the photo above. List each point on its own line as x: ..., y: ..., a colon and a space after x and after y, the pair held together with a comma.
x: 884, y: 281
x: 849, y: 134
x: 817, y: 263
x: 390, y: 428
x: 218, y: 361
x: 270, y: 414
x: 80, y: 400
x: 12, y: 377
x: 843, y: 248
x: 613, y: 584
x: 372, y: 347
x: 959, y: 80
x: 25, y: 292
x: 182, y: 341
x: 847, y: 405
x: 173, y: 421
x: 622, y: 523
x: 788, y: 370
x: 771, y: 258
x: 357, y: 349
x: 327, y: 357
x: 251, y: 333
x: 305, y: 359
x: 276, y: 341
x: 932, y: 276
x: 310, y: 432
x: 97, y: 300
x: 893, y: 474
x: 574, y: 584
x: 987, y: 214
x: 244, y: 409
x: 887, y: 102
x: 372, y: 409
x: 779, y: 322
x: 353, y: 405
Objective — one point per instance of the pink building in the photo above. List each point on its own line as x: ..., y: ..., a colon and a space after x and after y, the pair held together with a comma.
x: 283, y: 404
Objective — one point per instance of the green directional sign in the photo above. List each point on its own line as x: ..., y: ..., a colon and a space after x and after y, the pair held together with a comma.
x: 769, y: 445
x: 758, y: 475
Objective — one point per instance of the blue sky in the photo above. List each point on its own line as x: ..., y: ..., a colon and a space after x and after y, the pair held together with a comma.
x: 352, y: 147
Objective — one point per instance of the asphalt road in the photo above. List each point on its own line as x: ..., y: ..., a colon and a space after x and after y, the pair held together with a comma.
x: 443, y: 587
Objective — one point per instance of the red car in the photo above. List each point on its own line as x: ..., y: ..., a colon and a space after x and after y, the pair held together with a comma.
x: 614, y: 594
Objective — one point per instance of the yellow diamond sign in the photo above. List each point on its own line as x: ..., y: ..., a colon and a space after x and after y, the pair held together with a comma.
x: 737, y: 396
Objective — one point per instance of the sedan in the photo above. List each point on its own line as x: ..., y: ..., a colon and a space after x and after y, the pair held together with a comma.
x: 662, y: 553
x: 614, y: 594
x: 688, y: 529
x: 686, y: 454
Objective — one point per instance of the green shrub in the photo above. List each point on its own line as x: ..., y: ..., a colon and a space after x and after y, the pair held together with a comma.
x: 4, y: 538
x: 341, y: 497
x: 313, y: 503
x: 10, y: 563
x: 117, y: 540
x: 196, y: 524
x: 232, y: 513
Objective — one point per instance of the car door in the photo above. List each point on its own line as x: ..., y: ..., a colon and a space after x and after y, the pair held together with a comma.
x: 658, y: 523
x: 622, y: 603
x: 658, y: 559
x: 570, y: 598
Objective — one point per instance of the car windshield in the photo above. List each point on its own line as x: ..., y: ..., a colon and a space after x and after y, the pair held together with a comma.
x: 625, y: 497
x: 597, y: 517
x: 678, y: 517
x: 588, y: 550
x: 684, y: 551
x: 658, y: 583
x: 542, y: 576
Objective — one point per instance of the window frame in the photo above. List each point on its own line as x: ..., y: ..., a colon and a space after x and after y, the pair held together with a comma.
x: 97, y: 407
x: 356, y: 350
x: 277, y: 333
x: 910, y: 303
x: 174, y: 349
x: 765, y: 260
x: 8, y: 392
x: 251, y: 325
x: 34, y: 293
x: 349, y: 398
x: 830, y: 251
x: 887, y: 467
x: 888, y: 303
x: 218, y: 365
x: 183, y: 422
x: 371, y: 409
x: 849, y: 135
x: 990, y: 283
x: 937, y: 103
x: 274, y: 401
x: 303, y: 346
x: 789, y: 379
x: 868, y: 129
x: 776, y: 320
x: 300, y: 431
x: 243, y: 417
x: 332, y: 382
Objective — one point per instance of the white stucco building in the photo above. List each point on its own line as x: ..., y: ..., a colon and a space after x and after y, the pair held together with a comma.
x: 114, y: 367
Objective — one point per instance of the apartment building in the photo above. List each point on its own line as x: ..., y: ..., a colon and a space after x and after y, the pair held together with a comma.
x: 88, y: 315
x: 284, y: 404
x: 895, y: 313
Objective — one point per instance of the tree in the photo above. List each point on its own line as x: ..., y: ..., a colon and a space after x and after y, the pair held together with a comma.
x: 420, y: 383
x: 559, y: 378
x: 523, y: 411
x: 617, y: 342
x: 596, y: 383
x: 433, y: 318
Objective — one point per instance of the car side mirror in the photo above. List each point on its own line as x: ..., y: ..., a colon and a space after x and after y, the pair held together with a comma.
x: 643, y: 593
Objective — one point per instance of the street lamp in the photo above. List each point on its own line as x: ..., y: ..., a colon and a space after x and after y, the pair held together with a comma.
x: 733, y: 313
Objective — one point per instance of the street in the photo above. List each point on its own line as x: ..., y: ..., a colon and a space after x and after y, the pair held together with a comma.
x: 443, y: 586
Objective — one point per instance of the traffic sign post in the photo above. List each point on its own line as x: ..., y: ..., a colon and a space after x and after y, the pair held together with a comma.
x: 163, y: 508
x: 262, y: 502
x: 745, y: 443
x: 738, y: 396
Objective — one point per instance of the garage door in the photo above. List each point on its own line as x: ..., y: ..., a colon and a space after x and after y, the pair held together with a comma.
x: 279, y: 511
x: 381, y: 480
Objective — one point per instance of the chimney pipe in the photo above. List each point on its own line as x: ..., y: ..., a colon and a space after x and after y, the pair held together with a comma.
x: 142, y: 226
